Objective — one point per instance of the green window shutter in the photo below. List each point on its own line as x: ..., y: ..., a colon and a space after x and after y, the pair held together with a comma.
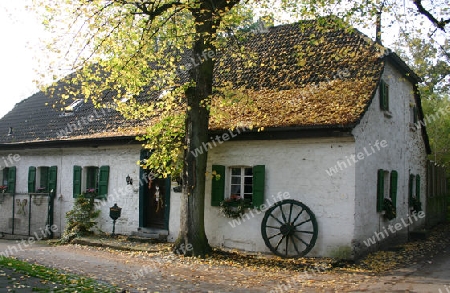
x: 384, y: 95
x: 103, y: 179
x: 410, y: 189
x: 259, y: 181
x: 217, y: 185
x: 393, y: 188
x: 380, y: 190
x: 11, y: 179
x: 52, y: 176
x: 76, y: 181
x: 31, y: 179
x: 418, y: 187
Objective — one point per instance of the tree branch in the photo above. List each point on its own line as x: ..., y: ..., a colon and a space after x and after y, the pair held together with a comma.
x: 438, y: 23
x: 148, y: 9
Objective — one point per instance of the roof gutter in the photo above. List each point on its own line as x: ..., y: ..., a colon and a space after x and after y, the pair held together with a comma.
x: 279, y: 133
x: 236, y: 134
x: 86, y: 142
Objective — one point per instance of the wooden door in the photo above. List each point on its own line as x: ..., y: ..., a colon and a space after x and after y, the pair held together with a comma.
x: 156, y: 203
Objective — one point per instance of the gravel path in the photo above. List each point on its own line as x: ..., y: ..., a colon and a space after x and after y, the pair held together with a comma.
x: 137, y: 271
x: 164, y: 272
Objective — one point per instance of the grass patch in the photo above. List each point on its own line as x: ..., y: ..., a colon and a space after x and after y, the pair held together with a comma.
x: 61, y: 282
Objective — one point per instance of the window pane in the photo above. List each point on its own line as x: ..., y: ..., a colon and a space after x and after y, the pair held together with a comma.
x: 235, y: 180
x: 91, y: 178
x: 248, y: 180
x: 5, y: 176
x: 235, y: 171
x: 43, y: 182
x: 249, y: 171
x: 236, y: 189
x: 248, y: 189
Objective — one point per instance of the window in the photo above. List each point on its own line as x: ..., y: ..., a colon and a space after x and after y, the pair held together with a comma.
x: 91, y: 178
x: 74, y: 105
x: 8, y: 179
x: 245, y: 182
x: 69, y: 110
x: 384, y: 96
x: 387, y: 183
x: 241, y: 183
x: 42, y: 179
x: 5, y: 177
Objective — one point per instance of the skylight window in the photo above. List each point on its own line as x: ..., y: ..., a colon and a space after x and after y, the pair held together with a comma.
x: 72, y: 107
x: 164, y: 93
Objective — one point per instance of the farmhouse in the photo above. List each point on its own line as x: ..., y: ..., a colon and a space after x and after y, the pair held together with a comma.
x: 326, y: 155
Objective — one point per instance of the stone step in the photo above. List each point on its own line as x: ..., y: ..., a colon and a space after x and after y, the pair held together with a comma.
x: 144, y: 234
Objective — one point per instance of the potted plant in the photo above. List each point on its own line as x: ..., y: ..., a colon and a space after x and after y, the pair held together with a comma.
x: 416, y: 204
x: 389, y: 209
x: 3, y: 189
x: 234, y: 206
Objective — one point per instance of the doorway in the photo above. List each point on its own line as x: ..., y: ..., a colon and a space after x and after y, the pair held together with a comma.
x: 154, y: 202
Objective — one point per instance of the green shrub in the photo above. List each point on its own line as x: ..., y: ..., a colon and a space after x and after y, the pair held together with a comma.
x: 81, y: 219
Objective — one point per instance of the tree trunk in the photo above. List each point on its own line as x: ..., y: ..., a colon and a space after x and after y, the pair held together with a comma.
x: 192, y: 240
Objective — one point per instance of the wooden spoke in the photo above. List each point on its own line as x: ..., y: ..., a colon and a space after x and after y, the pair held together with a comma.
x: 309, y: 220
x: 282, y: 214
x: 276, y: 219
x: 274, y: 235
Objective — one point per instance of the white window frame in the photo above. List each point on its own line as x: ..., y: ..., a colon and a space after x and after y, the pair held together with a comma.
x: 38, y: 177
x: 242, y: 183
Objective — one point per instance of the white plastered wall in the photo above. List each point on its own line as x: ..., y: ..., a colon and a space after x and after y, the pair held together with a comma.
x: 405, y: 153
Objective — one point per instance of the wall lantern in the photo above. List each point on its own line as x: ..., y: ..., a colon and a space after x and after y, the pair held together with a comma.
x: 129, y: 180
x: 114, y: 213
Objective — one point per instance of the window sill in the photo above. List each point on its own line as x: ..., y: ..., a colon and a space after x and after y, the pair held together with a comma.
x: 236, y: 203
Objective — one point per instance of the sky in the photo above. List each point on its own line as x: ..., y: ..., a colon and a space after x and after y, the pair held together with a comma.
x: 19, y: 31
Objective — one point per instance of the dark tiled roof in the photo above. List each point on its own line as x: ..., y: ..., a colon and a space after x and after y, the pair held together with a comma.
x: 294, y: 77
x: 34, y: 119
x: 296, y: 55
x: 301, y: 76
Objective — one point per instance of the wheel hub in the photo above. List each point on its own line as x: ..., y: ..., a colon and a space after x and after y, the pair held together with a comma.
x: 286, y: 229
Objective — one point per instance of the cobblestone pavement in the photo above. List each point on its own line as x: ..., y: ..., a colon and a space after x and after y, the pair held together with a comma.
x: 136, y: 271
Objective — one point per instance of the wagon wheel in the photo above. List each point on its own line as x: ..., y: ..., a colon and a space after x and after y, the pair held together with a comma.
x: 289, y: 229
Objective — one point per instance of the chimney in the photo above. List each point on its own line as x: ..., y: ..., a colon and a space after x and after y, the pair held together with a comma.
x: 378, y: 28
x: 378, y: 24
x: 264, y: 23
